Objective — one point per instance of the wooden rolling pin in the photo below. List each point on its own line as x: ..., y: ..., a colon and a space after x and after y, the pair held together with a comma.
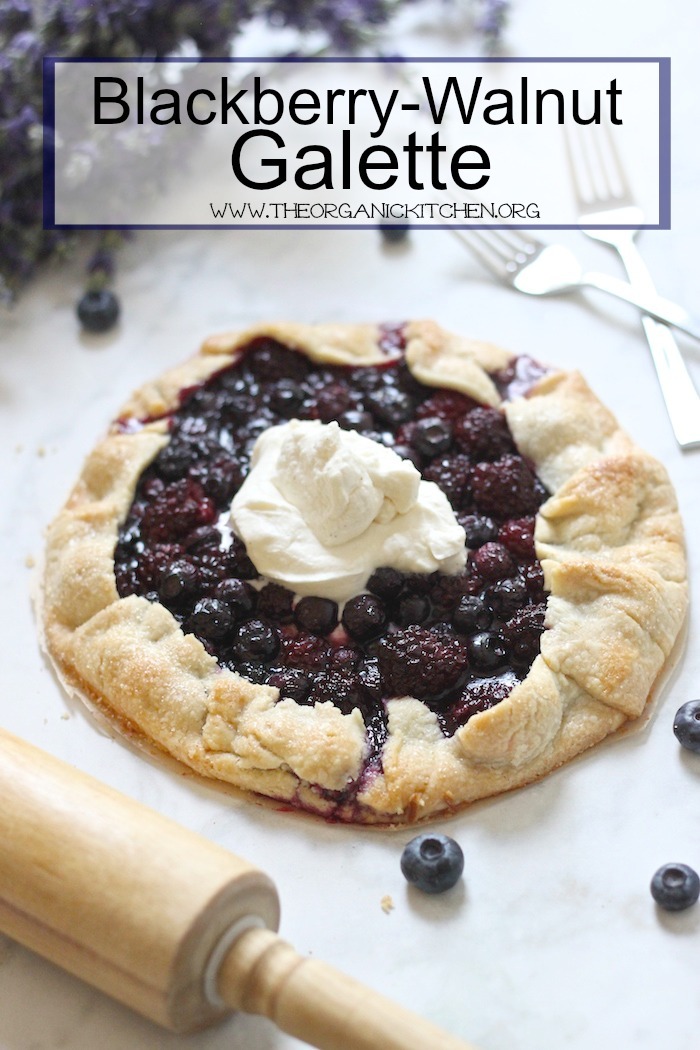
x: 165, y: 921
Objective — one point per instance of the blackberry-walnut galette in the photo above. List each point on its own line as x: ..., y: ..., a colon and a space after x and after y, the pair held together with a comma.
x: 375, y: 572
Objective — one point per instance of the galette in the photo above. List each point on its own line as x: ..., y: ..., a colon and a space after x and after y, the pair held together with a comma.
x: 371, y: 572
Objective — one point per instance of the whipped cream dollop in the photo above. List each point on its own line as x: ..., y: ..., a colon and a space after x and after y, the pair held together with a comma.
x: 322, y: 508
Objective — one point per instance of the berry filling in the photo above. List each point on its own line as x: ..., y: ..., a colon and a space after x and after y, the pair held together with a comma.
x: 459, y: 643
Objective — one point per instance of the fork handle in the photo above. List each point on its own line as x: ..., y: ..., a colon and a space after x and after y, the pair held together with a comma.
x: 679, y: 394
x: 648, y: 302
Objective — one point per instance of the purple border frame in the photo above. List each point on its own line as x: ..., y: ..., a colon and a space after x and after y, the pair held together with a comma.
x: 49, y: 127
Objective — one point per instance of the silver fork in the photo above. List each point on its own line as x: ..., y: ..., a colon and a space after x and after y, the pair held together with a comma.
x: 604, y: 198
x: 528, y: 264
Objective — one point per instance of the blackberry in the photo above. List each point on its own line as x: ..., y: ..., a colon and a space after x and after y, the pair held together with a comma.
x: 483, y: 434
x: 522, y: 634
x: 343, y: 690
x: 518, y: 535
x: 305, y: 651
x: 447, y: 591
x: 275, y: 603
x: 179, y: 509
x: 493, y: 562
x: 419, y: 662
x: 448, y: 405
x: 506, y: 488
x: 481, y: 694
x: 451, y: 474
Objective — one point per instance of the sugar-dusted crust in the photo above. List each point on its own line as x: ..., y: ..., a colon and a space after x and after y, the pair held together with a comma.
x: 610, y: 542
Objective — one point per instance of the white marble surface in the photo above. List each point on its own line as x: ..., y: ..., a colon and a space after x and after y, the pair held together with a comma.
x: 552, y: 940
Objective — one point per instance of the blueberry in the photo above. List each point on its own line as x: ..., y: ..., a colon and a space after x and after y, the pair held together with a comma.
x: 472, y: 614
x: 211, y: 619
x: 390, y: 405
x: 486, y: 650
x: 238, y: 596
x: 98, y: 310
x: 412, y: 608
x: 386, y: 583
x: 432, y: 436
x: 432, y: 863
x: 686, y: 725
x: 177, y: 581
x: 286, y: 397
x: 392, y: 233
x: 256, y: 641
x: 506, y: 596
x: 364, y: 616
x: 675, y: 887
x: 318, y: 615
x: 479, y: 529
x: 356, y: 419
x: 291, y: 683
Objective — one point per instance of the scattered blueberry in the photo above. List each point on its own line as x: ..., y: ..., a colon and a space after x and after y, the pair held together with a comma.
x: 686, y: 725
x: 675, y: 887
x: 392, y: 232
x: 98, y: 310
x: 432, y: 863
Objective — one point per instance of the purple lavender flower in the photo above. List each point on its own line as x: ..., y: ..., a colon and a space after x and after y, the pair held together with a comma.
x: 30, y: 29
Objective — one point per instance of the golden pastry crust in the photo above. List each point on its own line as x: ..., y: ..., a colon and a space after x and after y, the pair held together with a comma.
x: 609, y: 540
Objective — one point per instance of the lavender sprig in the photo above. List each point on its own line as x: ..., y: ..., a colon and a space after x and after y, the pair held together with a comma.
x: 30, y: 29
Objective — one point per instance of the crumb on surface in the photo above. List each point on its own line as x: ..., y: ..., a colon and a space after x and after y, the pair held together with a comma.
x: 387, y: 903
x: 30, y: 561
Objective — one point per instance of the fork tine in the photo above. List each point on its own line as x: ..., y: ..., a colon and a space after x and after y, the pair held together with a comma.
x: 483, y: 248
x: 579, y: 166
x: 614, y: 156
x: 596, y: 170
